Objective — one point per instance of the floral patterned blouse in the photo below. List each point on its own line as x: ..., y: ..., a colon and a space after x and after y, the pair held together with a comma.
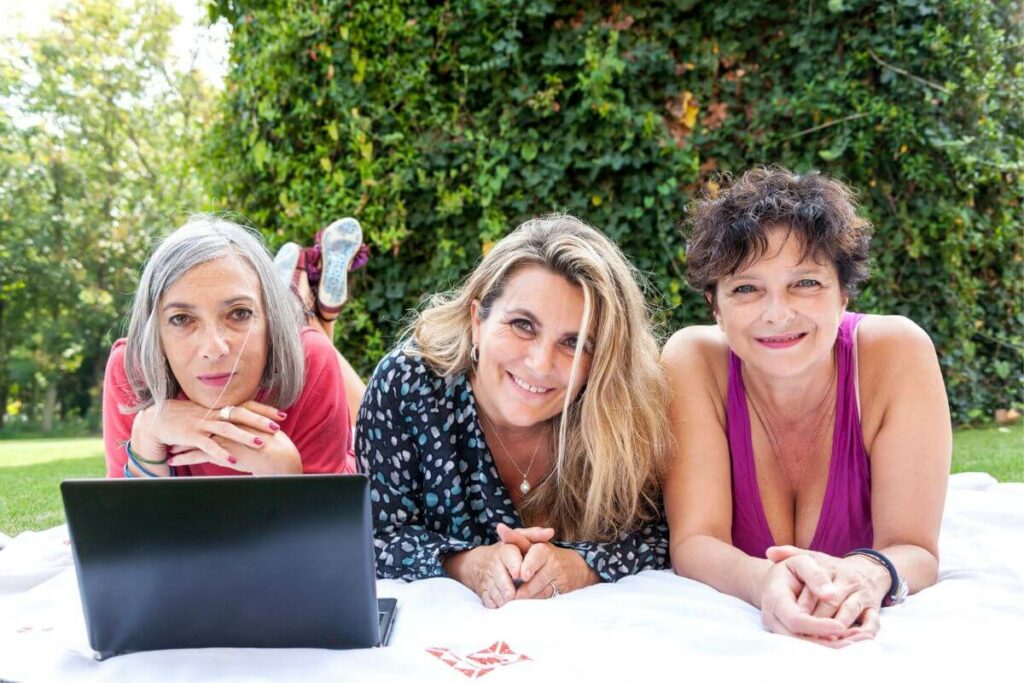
x: 434, y: 486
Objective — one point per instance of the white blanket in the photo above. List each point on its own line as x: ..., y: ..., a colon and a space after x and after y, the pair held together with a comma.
x: 652, y: 625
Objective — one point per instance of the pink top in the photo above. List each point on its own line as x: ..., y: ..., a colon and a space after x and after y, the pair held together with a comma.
x: 317, y: 422
x: 845, y: 520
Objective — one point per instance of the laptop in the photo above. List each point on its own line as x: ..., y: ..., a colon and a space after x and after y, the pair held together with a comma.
x: 283, y: 561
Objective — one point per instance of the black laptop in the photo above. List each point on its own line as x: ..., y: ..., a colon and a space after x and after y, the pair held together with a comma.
x: 226, y: 562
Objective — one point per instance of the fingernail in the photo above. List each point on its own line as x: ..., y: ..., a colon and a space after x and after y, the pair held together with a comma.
x: 281, y: 414
x: 274, y: 426
x: 233, y: 460
x: 257, y: 440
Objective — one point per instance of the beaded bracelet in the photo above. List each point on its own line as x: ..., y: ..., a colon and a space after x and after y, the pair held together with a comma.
x: 138, y: 458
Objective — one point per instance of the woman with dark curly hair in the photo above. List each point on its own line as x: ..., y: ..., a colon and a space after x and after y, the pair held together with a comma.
x: 813, y: 444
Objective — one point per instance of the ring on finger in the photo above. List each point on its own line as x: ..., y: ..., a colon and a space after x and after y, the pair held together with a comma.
x: 554, y: 590
x: 225, y: 413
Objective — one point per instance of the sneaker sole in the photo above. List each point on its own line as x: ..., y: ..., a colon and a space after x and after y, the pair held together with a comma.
x: 339, y: 245
x: 286, y: 260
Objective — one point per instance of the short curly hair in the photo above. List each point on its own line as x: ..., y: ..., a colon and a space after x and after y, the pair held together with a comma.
x: 730, y: 229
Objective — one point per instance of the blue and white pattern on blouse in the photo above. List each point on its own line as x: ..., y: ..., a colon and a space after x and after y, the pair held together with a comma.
x: 434, y: 487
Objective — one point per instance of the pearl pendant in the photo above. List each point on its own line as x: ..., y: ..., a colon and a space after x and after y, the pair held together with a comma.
x: 525, y: 487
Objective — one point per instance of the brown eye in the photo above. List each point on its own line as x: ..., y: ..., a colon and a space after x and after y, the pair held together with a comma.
x: 241, y: 314
x: 522, y: 325
x: 179, y: 320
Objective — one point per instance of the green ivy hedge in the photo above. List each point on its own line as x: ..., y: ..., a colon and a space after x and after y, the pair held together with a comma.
x: 442, y: 125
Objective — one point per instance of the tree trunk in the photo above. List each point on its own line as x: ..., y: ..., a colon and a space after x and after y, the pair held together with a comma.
x: 50, y: 407
x: 3, y: 399
x: 3, y: 368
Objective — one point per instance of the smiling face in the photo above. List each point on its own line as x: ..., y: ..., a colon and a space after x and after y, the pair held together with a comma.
x: 781, y: 313
x: 526, y: 348
x: 213, y: 332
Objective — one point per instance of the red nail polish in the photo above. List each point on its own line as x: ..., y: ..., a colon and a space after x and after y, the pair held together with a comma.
x: 282, y: 414
x: 258, y: 441
x: 233, y: 460
x: 274, y: 426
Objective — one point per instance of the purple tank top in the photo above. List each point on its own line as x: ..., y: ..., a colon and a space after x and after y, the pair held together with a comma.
x: 845, y: 520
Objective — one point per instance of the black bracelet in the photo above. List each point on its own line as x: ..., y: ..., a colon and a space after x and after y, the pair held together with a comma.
x: 898, y: 587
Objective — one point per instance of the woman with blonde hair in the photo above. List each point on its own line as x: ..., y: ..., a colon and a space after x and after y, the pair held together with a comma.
x: 515, y: 441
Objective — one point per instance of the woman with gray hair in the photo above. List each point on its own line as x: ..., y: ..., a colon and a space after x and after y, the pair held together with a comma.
x: 218, y: 374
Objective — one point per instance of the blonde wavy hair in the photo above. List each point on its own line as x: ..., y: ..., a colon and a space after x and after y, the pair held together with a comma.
x: 611, y: 440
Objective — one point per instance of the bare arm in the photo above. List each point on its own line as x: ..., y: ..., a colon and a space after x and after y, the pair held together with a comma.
x: 911, y: 450
x: 698, y: 490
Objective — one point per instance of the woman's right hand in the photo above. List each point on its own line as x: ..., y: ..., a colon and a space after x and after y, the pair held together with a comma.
x: 490, y: 571
x: 780, y: 610
x: 184, y: 424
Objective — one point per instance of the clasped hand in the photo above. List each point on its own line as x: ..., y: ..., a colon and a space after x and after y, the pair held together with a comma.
x: 523, y: 565
x: 814, y: 596
x: 190, y: 434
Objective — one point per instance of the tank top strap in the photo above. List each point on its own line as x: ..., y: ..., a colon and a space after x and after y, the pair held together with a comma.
x: 750, y: 530
x: 846, y: 367
x: 845, y: 520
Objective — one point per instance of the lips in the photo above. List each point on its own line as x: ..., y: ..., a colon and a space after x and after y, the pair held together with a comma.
x: 532, y: 389
x: 216, y: 379
x: 781, y: 341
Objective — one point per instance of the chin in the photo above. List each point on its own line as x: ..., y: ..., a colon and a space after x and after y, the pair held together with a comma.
x: 523, y: 417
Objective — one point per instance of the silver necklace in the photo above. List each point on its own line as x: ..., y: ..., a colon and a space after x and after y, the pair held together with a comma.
x: 524, y: 486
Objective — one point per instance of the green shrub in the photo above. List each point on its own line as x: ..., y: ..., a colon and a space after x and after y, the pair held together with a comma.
x: 443, y: 125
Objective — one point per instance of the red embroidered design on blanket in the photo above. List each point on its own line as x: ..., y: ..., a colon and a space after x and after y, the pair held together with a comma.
x: 481, y: 662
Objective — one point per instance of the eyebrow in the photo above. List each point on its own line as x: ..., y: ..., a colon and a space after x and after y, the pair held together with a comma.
x: 224, y: 304
x: 813, y: 270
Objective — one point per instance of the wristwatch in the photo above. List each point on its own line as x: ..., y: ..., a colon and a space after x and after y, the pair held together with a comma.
x: 898, y: 589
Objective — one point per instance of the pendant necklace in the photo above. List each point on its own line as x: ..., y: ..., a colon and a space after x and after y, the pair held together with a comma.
x: 524, y: 486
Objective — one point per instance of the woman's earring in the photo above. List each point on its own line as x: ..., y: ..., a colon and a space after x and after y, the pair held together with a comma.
x: 474, y: 354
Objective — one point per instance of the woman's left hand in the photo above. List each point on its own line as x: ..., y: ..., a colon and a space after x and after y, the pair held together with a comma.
x: 547, y: 570
x: 860, y: 583
x: 278, y: 455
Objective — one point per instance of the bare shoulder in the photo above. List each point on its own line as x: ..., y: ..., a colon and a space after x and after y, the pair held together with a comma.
x: 884, y: 339
x: 697, y: 351
x: 704, y: 343
x: 894, y: 356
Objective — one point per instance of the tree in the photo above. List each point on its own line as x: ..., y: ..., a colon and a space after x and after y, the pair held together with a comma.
x: 441, y: 125
x: 99, y: 135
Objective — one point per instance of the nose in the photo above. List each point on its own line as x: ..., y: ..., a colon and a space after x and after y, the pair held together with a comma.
x: 541, y: 358
x: 777, y: 308
x: 214, y: 344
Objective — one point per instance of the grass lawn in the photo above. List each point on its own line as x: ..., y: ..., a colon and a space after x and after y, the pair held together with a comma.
x: 30, y: 472
x: 31, y: 469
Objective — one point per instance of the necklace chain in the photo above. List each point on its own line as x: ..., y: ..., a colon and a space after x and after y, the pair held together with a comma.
x: 524, y: 486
